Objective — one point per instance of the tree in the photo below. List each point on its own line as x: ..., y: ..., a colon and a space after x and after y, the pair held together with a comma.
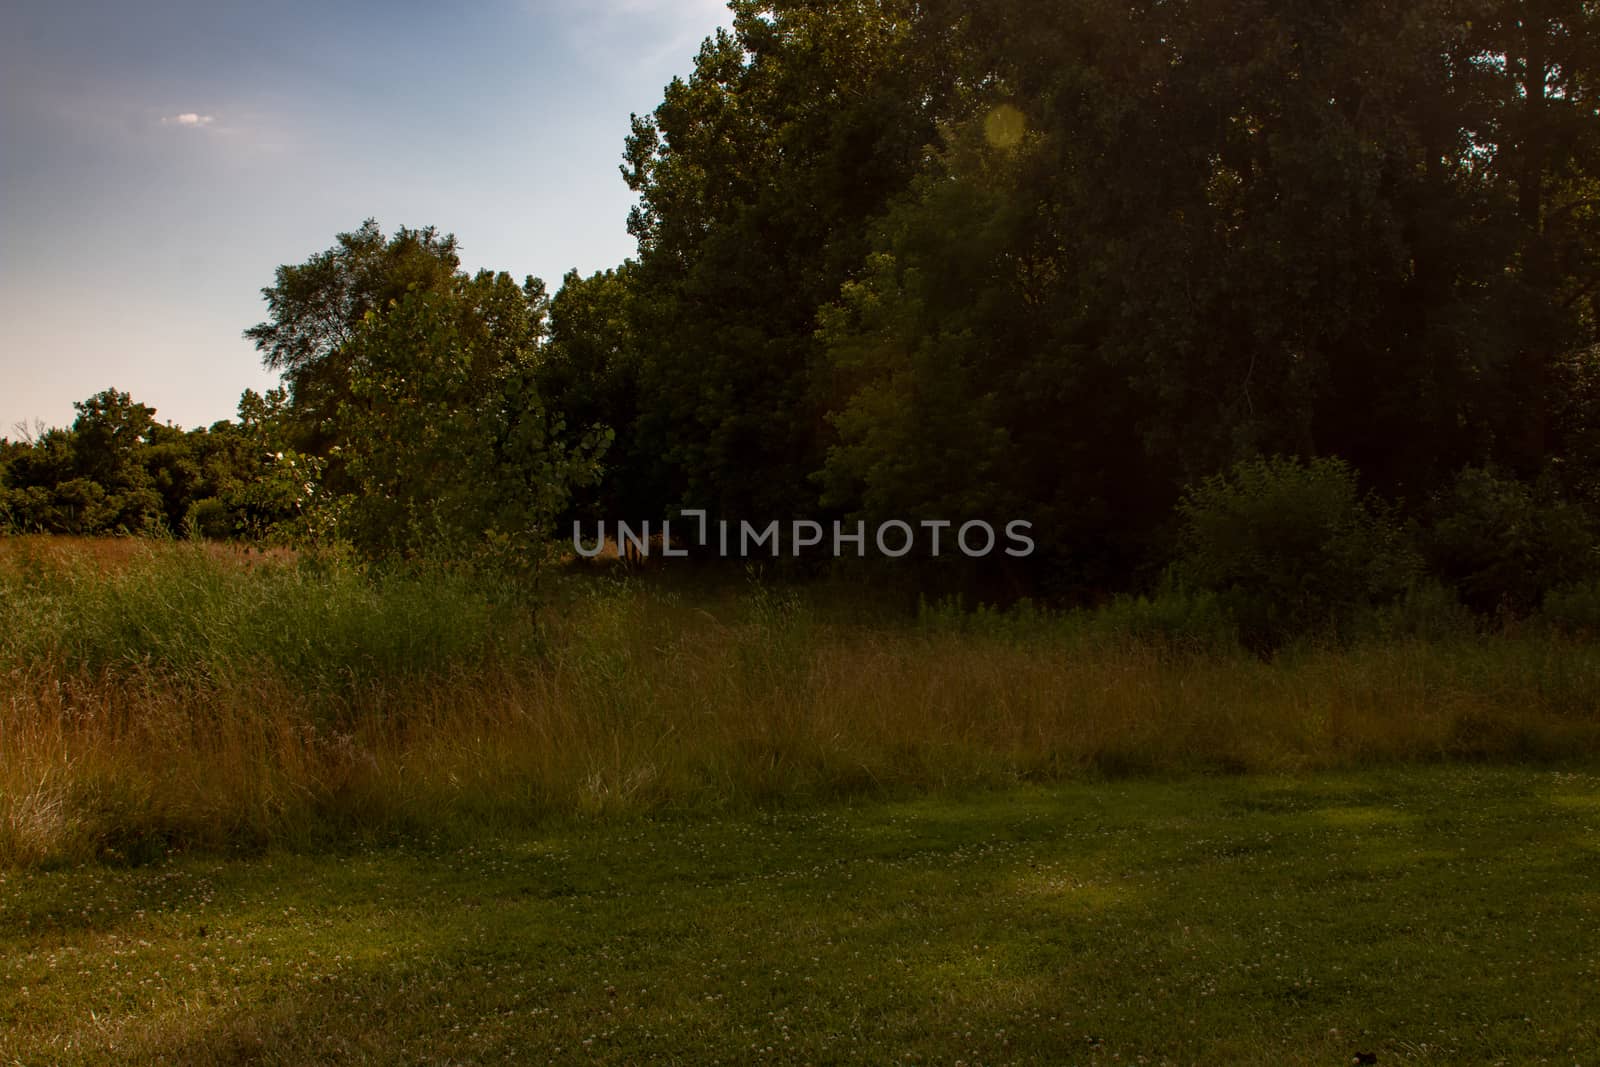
x: 33, y: 470
x: 92, y: 478
x: 1291, y: 547
x: 113, y: 490
x: 1158, y: 239
x: 589, y: 373
x: 172, y: 464
x: 316, y: 307
x: 757, y: 178
x: 1535, y: 125
x: 447, y: 447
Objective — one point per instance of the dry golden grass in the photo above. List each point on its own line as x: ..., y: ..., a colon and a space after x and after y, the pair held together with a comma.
x: 636, y: 700
x: 116, y: 553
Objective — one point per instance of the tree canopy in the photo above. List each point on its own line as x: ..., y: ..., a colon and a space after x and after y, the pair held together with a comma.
x: 1021, y: 259
x: 1062, y: 259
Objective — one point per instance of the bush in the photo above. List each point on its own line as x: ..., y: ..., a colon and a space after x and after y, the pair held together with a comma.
x: 1505, y: 544
x: 1573, y: 609
x: 209, y: 518
x: 1173, y: 618
x: 1291, y: 548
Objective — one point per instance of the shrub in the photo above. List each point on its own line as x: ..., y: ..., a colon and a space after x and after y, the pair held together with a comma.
x: 1291, y: 548
x: 1504, y: 544
x: 1573, y: 609
x: 1173, y: 618
x: 209, y: 518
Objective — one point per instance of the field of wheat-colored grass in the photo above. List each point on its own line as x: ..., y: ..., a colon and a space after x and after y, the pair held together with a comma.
x: 170, y: 696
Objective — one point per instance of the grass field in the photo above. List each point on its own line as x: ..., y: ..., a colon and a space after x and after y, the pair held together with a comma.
x: 1443, y: 915
x: 261, y: 809
x: 184, y: 698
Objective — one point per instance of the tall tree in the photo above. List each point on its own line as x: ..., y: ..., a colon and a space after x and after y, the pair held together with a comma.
x: 589, y: 373
x: 315, y: 309
x: 113, y: 486
x: 1536, y: 135
x: 447, y: 446
x: 757, y: 178
x: 1162, y: 237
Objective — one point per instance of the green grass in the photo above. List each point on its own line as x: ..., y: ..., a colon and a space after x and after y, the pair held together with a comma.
x: 259, y: 811
x: 184, y: 613
x: 1442, y: 915
x: 185, y: 698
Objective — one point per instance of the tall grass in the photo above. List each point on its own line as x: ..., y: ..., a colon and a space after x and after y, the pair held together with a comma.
x: 186, y: 615
x: 188, y: 699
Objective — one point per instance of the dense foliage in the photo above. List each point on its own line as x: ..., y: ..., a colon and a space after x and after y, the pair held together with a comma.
x: 1061, y: 260
x: 1017, y: 260
x: 1289, y: 546
x: 446, y: 444
x: 117, y: 470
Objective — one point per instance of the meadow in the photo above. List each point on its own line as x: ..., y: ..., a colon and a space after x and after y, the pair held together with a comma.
x: 170, y: 697
x: 268, y: 808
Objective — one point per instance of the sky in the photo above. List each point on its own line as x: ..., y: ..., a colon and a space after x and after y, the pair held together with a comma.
x: 158, y: 161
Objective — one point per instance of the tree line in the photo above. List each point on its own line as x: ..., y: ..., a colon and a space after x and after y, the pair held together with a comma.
x: 922, y: 259
x: 117, y: 470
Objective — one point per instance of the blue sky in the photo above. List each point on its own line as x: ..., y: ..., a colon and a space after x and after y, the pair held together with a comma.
x: 158, y: 161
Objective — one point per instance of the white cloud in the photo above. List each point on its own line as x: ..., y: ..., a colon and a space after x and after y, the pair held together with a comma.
x: 188, y: 118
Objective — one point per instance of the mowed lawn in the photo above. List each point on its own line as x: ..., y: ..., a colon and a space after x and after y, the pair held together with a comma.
x: 1433, y: 915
